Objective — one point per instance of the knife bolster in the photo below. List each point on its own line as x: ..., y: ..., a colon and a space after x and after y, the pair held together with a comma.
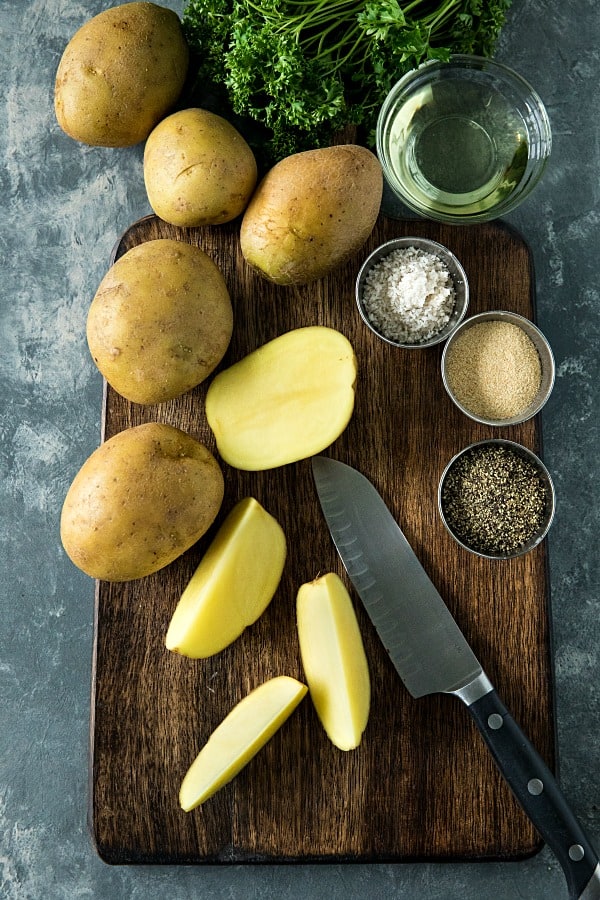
x: 477, y: 688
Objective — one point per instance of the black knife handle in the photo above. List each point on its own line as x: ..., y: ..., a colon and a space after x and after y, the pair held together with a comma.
x: 538, y: 793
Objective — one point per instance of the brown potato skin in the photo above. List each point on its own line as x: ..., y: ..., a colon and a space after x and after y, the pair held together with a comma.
x: 198, y: 169
x: 160, y: 322
x: 311, y: 212
x: 120, y: 74
x: 139, y: 501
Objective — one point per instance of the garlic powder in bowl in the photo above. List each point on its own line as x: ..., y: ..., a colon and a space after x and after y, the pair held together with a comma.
x: 498, y: 368
x: 412, y: 292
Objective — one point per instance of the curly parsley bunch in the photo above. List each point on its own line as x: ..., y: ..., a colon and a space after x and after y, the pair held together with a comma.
x: 305, y: 69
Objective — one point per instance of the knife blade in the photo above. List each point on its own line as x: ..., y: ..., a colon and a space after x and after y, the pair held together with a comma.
x: 431, y: 655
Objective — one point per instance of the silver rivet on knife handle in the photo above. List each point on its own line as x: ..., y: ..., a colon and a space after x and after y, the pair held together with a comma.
x: 535, y: 786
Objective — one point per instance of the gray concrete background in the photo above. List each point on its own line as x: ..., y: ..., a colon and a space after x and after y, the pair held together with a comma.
x: 63, y: 205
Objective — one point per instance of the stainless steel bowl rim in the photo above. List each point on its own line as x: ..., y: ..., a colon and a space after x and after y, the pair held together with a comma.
x: 459, y: 278
x: 548, y: 367
x: 541, y: 468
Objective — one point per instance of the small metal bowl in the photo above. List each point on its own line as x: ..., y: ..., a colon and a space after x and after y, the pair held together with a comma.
x: 541, y: 345
x: 549, y: 506
x: 457, y: 273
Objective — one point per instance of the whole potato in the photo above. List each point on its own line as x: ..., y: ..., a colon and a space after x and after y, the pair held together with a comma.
x: 198, y: 169
x: 120, y: 73
x: 139, y: 501
x: 160, y: 322
x: 311, y: 212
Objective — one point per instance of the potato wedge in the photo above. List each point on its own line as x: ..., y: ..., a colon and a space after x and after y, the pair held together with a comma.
x: 233, y: 585
x: 286, y: 401
x: 239, y: 737
x: 334, y: 660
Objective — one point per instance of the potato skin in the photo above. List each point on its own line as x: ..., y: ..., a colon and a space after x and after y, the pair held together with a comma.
x: 311, y: 212
x: 160, y: 322
x: 198, y: 169
x: 120, y: 73
x: 140, y: 501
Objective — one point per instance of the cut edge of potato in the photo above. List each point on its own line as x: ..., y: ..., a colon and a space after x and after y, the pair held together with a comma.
x: 285, y: 401
x: 334, y: 659
x: 233, y: 584
x: 249, y: 725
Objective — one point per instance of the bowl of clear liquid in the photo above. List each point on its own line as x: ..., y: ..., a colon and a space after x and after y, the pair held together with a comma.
x: 463, y: 141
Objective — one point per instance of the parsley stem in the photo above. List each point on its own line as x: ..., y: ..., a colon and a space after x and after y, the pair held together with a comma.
x: 307, y: 68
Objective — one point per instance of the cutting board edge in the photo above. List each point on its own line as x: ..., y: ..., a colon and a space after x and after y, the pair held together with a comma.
x: 123, y: 857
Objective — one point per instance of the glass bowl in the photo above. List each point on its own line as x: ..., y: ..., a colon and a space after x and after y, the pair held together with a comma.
x: 463, y: 141
x: 457, y: 275
x: 495, y: 504
x: 473, y: 375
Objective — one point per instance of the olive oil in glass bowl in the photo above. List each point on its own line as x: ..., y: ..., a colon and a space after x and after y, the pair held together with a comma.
x: 464, y: 140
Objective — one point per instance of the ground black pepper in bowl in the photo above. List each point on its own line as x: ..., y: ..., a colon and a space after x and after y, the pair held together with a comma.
x: 496, y: 498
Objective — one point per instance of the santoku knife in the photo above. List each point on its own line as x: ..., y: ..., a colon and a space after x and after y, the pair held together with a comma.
x: 431, y: 655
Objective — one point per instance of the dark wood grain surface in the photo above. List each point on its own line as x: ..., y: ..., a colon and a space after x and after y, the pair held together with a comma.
x: 421, y: 785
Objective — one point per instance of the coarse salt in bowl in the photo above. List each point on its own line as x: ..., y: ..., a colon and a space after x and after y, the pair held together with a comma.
x: 412, y: 292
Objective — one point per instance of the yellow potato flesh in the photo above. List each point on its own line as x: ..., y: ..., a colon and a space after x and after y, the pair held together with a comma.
x: 334, y: 660
x: 286, y: 401
x: 233, y: 585
x: 239, y: 737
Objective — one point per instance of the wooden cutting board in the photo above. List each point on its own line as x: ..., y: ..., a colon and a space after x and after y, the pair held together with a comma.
x: 421, y: 786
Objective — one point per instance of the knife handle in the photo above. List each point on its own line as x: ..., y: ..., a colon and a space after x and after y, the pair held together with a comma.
x: 538, y: 793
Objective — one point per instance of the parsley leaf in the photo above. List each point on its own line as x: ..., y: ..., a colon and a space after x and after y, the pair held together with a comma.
x: 302, y: 70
